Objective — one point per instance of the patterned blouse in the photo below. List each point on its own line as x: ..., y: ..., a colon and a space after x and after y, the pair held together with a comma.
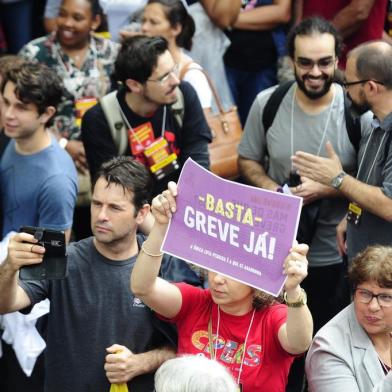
x: 93, y: 80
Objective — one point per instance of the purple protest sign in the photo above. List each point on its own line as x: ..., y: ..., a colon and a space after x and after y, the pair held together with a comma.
x: 234, y: 229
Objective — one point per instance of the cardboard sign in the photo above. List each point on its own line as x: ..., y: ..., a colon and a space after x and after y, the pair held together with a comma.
x: 240, y: 231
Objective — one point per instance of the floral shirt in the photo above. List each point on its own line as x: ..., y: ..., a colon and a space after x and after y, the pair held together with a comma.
x: 93, y: 80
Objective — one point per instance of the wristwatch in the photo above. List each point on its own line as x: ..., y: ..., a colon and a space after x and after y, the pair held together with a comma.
x: 336, y: 182
x: 301, y: 301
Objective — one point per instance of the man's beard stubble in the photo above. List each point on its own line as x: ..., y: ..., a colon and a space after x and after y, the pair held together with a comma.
x: 328, y: 80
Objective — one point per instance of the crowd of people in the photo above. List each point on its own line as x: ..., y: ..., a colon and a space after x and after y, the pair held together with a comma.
x: 97, y: 119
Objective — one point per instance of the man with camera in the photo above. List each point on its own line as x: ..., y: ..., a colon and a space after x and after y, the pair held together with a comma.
x: 311, y: 113
x: 98, y: 331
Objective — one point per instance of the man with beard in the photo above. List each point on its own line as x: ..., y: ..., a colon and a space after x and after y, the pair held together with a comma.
x: 152, y: 131
x: 368, y: 221
x: 311, y: 112
x: 98, y: 331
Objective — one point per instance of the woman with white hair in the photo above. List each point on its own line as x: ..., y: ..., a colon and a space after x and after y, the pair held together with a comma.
x: 193, y: 373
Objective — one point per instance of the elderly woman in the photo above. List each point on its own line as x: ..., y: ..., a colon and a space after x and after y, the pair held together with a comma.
x: 247, y: 331
x: 353, y: 352
x: 192, y: 373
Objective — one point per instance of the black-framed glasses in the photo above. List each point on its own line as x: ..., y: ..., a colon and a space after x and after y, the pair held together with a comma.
x: 322, y: 64
x: 366, y: 296
x: 164, y: 78
x: 348, y: 84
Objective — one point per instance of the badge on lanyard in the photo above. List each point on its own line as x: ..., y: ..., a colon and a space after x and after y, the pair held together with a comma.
x: 81, y: 107
x: 161, y: 160
x: 140, y: 137
x: 239, y: 389
x: 354, y: 214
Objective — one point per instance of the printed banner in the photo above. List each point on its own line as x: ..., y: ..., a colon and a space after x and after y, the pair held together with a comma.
x: 240, y: 231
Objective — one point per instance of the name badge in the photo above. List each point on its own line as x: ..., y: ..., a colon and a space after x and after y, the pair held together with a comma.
x: 140, y: 138
x: 354, y: 214
x: 81, y: 107
x: 161, y: 160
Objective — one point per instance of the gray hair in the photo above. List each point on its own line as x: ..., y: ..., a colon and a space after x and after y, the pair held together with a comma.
x: 193, y: 374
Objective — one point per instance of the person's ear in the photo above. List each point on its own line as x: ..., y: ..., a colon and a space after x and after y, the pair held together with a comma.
x: 47, y: 114
x: 97, y: 20
x: 374, y: 87
x: 142, y: 213
x: 176, y: 30
x: 134, y: 86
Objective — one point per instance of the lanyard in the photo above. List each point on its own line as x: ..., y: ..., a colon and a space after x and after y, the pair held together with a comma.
x: 210, y: 339
x: 134, y: 134
x: 292, y: 124
x: 375, y: 157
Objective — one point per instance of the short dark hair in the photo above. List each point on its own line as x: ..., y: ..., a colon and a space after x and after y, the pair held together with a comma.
x: 311, y: 26
x: 131, y: 175
x: 138, y: 57
x: 96, y: 8
x: 35, y: 83
x: 374, y: 61
x: 176, y: 13
x: 374, y: 264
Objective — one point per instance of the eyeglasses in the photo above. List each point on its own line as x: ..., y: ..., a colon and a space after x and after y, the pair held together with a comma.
x: 366, y: 296
x: 348, y: 84
x: 308, y: 64
x: 163, y: 79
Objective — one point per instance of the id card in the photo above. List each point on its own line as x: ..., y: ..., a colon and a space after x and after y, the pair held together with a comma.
x: 81, y: 107
x: 161, y: 160
x: 140, y: 138
x: 354, y: 214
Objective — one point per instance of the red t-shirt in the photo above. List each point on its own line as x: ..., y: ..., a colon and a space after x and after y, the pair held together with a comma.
x: 266, y: 363
x: 370, y: 29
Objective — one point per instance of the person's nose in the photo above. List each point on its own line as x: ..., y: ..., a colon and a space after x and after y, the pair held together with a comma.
x: 102, y: 215
x: 8, y: 112
x: 315, y: 70
x: 374, y: 305
x: 219, y: 279
x: 145, y: 27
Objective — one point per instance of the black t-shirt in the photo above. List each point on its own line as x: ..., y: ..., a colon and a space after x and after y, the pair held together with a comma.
x: 191, y: 140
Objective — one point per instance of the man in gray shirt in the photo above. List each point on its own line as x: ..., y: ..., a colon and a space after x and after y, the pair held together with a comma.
x: 311, y: 113
x: 369, y: 217
x: 98, y: 331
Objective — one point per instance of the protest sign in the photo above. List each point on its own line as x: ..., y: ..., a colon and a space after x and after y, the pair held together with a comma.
x: 240, y: 231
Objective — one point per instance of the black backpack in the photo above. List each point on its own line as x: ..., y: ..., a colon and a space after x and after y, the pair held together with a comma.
x: 353, y: 125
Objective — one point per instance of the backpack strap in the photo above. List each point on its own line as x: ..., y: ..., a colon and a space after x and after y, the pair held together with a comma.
x: 272, y: 105
x: 178, y: 108
x: 353, y: 125
x: 111, y: 110
x: 185, y: 69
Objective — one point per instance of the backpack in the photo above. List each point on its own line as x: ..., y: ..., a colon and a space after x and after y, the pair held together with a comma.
x: 111, y: 109
x: 353, y: 125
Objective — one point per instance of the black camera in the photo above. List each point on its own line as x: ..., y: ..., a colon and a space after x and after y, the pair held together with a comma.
x: 293, y: 180
x: 54, y: 264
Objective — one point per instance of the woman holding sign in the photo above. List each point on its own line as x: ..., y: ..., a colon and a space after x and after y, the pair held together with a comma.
x: 249, y: 332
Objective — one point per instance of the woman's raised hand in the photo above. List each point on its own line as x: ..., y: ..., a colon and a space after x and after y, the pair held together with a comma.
x: 164, y: 205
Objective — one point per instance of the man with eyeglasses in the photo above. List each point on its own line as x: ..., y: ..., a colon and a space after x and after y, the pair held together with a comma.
x: 369, y: 216
x: 152, y: 117
x: 311, y: 113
